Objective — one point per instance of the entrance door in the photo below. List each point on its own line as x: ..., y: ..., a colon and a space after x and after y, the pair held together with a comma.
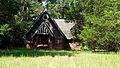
x: 43, y: 39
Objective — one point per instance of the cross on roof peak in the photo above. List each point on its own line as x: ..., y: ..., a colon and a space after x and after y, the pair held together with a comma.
x: 45, y: 4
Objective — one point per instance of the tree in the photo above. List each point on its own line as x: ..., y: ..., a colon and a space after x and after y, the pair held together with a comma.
x: 14, y: 14
x: 8, y: 9
x: 75, y: 13
x: 23, y: 21
x: 101, y: 30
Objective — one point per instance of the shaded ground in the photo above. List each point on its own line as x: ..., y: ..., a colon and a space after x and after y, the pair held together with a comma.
x: 34, y: 53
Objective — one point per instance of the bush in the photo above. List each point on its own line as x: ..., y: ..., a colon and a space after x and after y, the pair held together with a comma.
x: 5, y: 35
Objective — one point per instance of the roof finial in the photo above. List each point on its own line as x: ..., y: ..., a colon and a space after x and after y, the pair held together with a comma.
x: 45, y: 4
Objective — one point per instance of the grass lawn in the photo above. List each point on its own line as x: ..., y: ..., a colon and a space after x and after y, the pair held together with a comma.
x: 26, y: 58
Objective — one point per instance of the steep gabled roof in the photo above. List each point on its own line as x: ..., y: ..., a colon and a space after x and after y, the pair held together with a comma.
x: 37, y: 24
x: 65, y: 27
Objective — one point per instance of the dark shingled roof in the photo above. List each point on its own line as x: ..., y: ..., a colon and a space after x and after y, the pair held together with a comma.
x: 63, y: 27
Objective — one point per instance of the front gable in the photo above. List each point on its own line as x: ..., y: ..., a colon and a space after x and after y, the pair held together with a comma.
x: 44, y: 25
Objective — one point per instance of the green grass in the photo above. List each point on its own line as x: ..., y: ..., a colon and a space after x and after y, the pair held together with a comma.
x: 27, y: 58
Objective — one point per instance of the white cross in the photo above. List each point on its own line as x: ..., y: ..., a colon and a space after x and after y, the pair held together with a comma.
x: 45, y: 3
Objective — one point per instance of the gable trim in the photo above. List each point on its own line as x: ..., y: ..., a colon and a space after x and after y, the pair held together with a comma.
x: 49, y: 19
x: 41, y: 28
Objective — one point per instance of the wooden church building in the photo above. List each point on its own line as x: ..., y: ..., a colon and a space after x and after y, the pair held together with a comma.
x: 49, y: 33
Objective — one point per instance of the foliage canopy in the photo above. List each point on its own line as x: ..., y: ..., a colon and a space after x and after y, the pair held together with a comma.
x: 97, y: 21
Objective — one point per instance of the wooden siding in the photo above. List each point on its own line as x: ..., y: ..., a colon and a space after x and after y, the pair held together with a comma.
x: 46, y: 34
